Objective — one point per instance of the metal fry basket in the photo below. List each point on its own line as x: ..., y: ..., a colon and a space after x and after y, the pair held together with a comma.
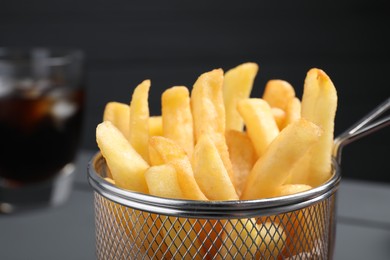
x: 132, y: 225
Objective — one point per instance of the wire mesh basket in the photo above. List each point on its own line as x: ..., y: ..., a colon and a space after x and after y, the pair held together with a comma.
x: 132, y: 225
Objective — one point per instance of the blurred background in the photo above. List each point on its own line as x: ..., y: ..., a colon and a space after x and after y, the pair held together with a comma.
x: 173, y: 42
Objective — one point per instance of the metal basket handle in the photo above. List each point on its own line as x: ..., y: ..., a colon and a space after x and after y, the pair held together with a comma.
x: 363, y: 127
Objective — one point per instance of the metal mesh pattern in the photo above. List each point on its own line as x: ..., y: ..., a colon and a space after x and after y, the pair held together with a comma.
x: 126, y: 233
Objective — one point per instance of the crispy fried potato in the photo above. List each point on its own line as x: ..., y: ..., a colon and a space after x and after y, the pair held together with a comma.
x: 162, y: 182
x: 259, y: 121
x: 210, y: 173
x: 273, y: 168
x: 155, y: 126
x: 319, y: 104
x: 126, y: 165
x: 242, y: 155
x: 108, y: 179
x: 177, y: 117
x: 166, y: 151
x: 139, y: 119
x: 278, y: 93
x: 293, y: 111
x: 279, y: 116
x: 118, y: 114
x: 300, y: 172
x: 208, y: 109
x: 237, y: 85
x: 223, y: 150
x: 288, y: 189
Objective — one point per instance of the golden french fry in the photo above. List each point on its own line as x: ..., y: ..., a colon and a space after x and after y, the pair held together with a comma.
x: 210, y: 173
x: 108, y: 179
x: 300, y: 172
x: 139, y: 119
x: 279, y: 116
x: 166, y: 151
x: 237, y: 84
x: 319, y: 104
x: 155, y: 126
x: 221, y: 145
x: 162, y: 182
x: 293, y: 111
x: 177, y: 117
x: 242, y: 155
x: 260, y: 123
x: 288, y: 189
x: 108, y: 173
x: 208, y: 112
x: 273, y: 168
x: 154, y: 155
x: 118, y: 114
x: 208, y: 109
x: 278, y: 93
x: 126, y: 165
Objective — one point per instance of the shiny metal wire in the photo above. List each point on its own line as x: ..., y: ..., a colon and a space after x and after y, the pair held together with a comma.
x: 130, y: 225
x: 126, y: 233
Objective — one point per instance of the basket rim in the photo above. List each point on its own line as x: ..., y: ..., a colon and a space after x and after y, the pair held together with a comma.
x: 210, y: 209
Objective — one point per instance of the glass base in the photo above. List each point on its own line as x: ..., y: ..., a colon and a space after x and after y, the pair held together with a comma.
x: 52, y: 192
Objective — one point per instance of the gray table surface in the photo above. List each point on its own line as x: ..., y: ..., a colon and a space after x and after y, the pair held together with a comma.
x: 67, y: 231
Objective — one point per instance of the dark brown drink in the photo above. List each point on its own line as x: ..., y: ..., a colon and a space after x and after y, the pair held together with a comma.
x: 38, y: 135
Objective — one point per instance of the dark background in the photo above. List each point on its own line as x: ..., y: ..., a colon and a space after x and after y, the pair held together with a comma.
x: 173, y: 42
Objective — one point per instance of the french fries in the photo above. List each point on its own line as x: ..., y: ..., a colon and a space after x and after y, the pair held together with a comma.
x: 319, y: 104
x: 272, y: 169
x: 155, y: 126
x: 208, y: 111
x: 139, y: 119
x: 162, y: 181
x: 260, y: 123
x: 212, y: 177
x: 278, y: 93
x: 242, y: 155
x: 164, y: 150
x: 279, y: 116
x: 126, y: 165
x: 293, y: 111
x: 216, y: 143
x: 237, y: 85
x: 118, y: 114
x: 177, y: 117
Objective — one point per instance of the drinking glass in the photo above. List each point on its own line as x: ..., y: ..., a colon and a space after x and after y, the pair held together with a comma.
x: 41, y: 113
